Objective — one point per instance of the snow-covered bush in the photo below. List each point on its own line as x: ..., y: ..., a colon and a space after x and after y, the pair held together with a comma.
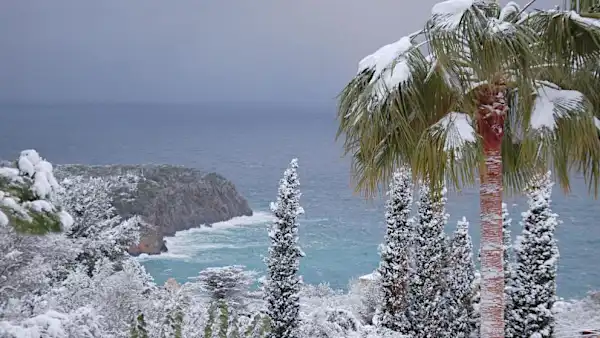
x: 283, y: 283
x: 97, y: 229
x: 25, y: 194
x: 81, y: 323
x: 364, y: 298
x: 330, y: 323
x: 115, y: 290
x: 229, y: 283
x: 575, y: 316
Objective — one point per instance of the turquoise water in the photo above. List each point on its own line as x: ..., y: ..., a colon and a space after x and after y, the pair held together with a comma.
x: 252, y: 145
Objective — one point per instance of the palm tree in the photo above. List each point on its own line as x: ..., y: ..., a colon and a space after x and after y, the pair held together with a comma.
x: 501, y: 93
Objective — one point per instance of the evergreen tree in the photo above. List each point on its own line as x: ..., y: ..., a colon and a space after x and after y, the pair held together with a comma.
x: 533, y: 287
x: 394, y: 268
x: 507, y: 244
x: 427, y: 309
x: 476, y: 301
x: 283, y: 283
x: 508, y: 263
x: 230, y: 284
x: 461, y: 278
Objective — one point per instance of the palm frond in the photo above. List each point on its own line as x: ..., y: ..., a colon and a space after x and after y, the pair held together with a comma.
x: 562, y: 135
x: 449, y: 151
x: 566, y: 38
x: 380, y: 137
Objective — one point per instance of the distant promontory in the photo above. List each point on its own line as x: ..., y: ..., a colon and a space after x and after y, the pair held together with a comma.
x: 169, y: 198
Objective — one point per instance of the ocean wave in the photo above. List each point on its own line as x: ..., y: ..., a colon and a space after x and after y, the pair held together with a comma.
x: 257, y: 218
x: 188, y: 244
x: 163, y: 256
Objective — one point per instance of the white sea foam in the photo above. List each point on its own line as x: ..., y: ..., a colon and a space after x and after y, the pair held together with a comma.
x: 187, y: 245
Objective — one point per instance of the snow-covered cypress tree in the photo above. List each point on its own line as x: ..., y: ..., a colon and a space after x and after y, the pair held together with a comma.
x: 476, y: 301
x: 394, y: 268
x: 427, y: 309
x: 283, y: 283
x: 533, y: 286
x: 507, y: 244
x: 508, y: 263
x: 461, y: 277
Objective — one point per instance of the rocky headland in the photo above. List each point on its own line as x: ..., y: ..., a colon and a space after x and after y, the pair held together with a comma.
x: 169, y: 199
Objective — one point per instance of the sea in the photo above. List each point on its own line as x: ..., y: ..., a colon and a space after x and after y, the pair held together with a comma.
x: 251, y: 144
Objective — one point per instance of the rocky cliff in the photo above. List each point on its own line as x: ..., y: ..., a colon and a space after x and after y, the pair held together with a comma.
x: 169, y: 198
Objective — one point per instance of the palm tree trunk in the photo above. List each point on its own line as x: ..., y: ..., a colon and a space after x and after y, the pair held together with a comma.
x: 492, y: 110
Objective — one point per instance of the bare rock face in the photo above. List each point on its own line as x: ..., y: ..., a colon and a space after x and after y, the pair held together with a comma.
x: 169, y: 199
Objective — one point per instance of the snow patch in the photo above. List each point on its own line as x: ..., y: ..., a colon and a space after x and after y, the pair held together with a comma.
x: 593, y: 23
x: 511, y: 8
x: 448, y: 14
x: 40, y: 206
x: 553, y: 103
x: 3, y: 219
x: 501, y: 27
x: 458, y: 129
x: 65, y: 219
x: 389, y: 65
x: 12, y: 174
x: 597, y: 122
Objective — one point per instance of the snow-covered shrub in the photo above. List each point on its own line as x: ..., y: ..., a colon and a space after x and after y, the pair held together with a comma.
x: 229, y: 283
x: 117, y: 291
x: 364, y: 298
x: 330, y: 323
x: 97, y: 229
x: 25, y: 194
x: 283, y: 283
x: 81, y: 323
x: 575, y: 316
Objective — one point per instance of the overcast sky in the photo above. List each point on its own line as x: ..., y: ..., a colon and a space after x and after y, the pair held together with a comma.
x: 194, y: 50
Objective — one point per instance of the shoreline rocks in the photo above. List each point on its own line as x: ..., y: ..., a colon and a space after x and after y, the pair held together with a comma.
x: 169, y: 199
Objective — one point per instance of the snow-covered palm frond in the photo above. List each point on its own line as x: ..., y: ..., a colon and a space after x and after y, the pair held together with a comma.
x: 510, y: 12
x: 456, y: 129
x: 449, y: 15
x: 554, y: 103
x: 387, y: 68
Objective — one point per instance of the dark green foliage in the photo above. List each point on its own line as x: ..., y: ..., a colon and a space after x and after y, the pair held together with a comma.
x: 138, y: 327
x: 173, y: 323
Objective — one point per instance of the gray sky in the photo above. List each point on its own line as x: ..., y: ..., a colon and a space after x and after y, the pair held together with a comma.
x: 194, y: 50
